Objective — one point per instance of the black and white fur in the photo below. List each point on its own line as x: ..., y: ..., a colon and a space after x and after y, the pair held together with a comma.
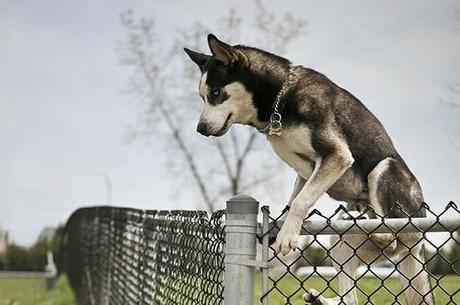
x: 333, y: 142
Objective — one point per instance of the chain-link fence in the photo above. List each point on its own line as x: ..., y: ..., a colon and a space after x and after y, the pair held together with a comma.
x: 349, y: 259
x: 127, y: 256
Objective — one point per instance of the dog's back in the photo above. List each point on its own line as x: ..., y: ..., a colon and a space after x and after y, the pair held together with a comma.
x: 319, y: 102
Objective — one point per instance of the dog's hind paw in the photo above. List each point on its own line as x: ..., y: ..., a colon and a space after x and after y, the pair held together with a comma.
x: 313, y: 297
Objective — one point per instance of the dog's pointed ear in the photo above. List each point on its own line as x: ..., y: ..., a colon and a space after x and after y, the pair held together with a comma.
x: 199, y: 58
x: 226, y: 54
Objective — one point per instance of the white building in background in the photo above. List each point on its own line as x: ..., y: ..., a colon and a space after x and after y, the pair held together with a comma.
x: 3, y: 240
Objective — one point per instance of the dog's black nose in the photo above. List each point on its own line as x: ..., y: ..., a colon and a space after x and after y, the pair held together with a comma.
x: 203, y: 129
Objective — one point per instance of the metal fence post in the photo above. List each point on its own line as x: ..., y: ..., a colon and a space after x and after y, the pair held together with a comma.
x: 240, y: 250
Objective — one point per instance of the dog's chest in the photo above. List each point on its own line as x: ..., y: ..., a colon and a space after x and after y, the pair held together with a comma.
x: 294, y: 147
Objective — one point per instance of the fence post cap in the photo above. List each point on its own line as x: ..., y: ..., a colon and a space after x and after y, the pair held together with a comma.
x: 242, y: 204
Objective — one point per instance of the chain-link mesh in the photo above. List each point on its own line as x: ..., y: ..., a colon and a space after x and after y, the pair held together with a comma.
x: 345, y: 259
x: 128, y: 256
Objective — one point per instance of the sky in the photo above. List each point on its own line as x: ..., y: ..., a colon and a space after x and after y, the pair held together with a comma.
x: 64, y: 112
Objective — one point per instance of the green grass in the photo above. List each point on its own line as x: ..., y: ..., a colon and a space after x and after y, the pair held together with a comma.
x: 447, y: 286
x: 33, y: 292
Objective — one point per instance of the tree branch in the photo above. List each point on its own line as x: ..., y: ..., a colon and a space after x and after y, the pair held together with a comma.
x: 240, y: 162
x: 235, y: 144
x: 257, y: 182
x: 176, y: 134
x: 224, y: 157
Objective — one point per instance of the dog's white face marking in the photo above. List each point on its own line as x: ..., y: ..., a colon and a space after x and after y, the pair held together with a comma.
x: 240, y: 102
x: 236, y: 108
x: 204, y: 90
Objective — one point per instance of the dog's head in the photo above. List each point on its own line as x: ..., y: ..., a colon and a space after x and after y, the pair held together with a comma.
x: 223, y: 88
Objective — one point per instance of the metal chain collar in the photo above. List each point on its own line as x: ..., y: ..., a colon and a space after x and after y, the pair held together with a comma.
x: 275, y: 126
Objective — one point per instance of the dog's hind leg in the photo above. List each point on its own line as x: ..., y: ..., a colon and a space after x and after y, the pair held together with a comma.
x: 391, y: 182
x: 346, y: 280
x: 346, y: 262
x: 347, y: 277
x: 414, y: 278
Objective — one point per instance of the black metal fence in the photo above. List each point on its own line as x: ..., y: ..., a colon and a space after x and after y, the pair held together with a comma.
x: 127, y: 256
x: 349, y: 259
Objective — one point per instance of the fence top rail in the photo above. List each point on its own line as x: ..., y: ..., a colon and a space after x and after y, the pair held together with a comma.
x: 367, y: 226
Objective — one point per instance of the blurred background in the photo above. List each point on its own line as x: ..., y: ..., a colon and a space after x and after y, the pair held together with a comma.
x: 99, y: 103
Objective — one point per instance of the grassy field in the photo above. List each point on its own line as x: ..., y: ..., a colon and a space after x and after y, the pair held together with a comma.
x: 371, y: 287
x: 32, y: 292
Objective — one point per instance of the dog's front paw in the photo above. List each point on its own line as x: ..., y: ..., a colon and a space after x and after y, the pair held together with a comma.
x: 288, y: 238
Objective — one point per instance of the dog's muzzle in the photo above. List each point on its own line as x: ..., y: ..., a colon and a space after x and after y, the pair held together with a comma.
x: 203, y: 128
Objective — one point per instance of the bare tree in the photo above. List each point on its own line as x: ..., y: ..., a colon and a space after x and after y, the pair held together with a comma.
x: 165, y: 81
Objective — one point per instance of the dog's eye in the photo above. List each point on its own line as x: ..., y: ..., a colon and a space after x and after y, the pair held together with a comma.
x: 215, y: 92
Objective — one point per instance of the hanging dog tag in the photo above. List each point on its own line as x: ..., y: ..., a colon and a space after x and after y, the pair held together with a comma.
x: 274, y: 132
x: 275, y: 128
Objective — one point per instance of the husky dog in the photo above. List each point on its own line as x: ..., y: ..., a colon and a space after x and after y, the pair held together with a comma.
x: 333, y: 142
